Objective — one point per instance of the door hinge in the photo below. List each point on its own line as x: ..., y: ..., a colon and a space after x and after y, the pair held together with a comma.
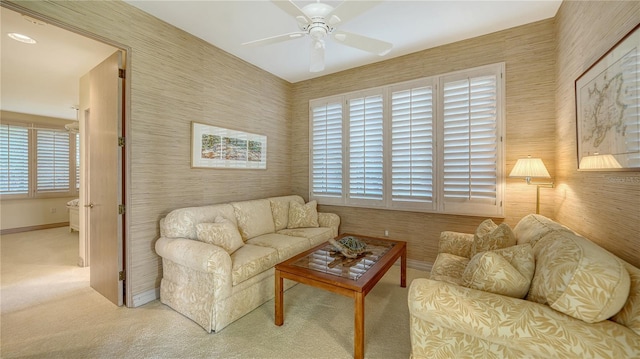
x: 121, y: 209
x: 121, y: 141
x: 122, y: 73
x: 121, y: 275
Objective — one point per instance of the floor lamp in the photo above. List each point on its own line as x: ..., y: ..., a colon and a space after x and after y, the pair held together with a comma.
x: 529, y: 168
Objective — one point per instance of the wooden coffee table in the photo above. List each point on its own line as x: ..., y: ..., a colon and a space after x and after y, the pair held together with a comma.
x: 319, y: 267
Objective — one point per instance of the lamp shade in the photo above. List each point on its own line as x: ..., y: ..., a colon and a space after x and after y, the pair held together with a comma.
x: 599, y: 161
x: 530, y: 168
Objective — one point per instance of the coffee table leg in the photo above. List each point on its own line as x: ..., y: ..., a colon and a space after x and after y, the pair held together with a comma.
x: 279, y: 320
x: 358, y: 338
x: 403, y: 269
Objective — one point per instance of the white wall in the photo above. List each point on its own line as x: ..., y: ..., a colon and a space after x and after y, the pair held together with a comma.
x: 18, y: 213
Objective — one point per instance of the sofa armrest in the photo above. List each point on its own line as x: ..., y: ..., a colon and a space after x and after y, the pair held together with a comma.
x: 502, y: 324
x: 456, y: 243
x: 196, y: 255
x: 330, y: 220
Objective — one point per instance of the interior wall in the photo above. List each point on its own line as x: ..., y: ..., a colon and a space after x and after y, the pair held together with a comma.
x: 603, y: 206
x: 528, y: 52
x: 175, y: 79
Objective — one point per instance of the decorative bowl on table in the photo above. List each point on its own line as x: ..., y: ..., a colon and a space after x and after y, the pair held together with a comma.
x: 349, y: 246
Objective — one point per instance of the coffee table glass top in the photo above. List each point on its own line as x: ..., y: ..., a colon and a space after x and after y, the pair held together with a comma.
x: 328, y: 260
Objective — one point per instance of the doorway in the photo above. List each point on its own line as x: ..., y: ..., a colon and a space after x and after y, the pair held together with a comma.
x: 105, y: 246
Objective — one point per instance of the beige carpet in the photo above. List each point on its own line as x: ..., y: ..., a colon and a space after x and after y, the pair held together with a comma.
x: 48, y: 310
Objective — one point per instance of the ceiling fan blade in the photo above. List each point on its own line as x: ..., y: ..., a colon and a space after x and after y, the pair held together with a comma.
x: 348, y: 10
x: 275, y: 39
x: 290, y: 8
x: 316, y: 63
x: 368, y: 44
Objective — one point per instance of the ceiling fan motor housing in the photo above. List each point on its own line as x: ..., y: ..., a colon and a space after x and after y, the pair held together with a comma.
x: 318, y: 28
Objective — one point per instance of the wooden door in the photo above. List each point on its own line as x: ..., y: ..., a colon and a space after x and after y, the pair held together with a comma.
x: 105, y: 179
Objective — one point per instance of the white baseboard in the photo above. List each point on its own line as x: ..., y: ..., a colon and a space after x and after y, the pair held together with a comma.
x: 146, y: 297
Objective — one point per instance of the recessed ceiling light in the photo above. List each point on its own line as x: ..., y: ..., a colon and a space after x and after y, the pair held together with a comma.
x: 22, y: 38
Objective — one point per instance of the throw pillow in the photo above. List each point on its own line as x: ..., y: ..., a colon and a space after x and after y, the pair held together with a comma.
x: 254, y: 218
x: 578, y: 278
x: 490, y: 236
x: 506, y: 272
x: 280, y: 210
x: 303, y: 216
x: 222, y: 233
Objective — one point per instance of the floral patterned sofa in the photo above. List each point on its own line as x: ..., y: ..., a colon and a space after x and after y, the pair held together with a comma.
x: 539, y: 291
x: 218, y: 261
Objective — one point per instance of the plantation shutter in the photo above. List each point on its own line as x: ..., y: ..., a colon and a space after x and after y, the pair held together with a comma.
x: 14, y: 158
x: 470, y: 167
x: 412, y: 145
x: 326, y: 153
x: 365, y: 148
x: 52, y: 161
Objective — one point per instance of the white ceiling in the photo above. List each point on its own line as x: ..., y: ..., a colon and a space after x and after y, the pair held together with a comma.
x: 410, y: 25
x: 43, y: 79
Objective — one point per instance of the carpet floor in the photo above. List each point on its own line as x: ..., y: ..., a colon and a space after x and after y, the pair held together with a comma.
x: 48, y: 310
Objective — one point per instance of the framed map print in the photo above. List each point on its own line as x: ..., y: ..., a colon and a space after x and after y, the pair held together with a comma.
x: 217, y: 147
x: 608, y: 107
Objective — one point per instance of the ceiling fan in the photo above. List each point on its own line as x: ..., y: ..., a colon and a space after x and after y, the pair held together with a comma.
x: 319, y: 21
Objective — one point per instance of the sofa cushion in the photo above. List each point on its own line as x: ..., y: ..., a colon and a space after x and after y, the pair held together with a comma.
x: 303, y: 216
x: 629, y: 316
x: 576, y: 277
x: 280, y: 210
x: 449, y: 268
x: 534, y: 226
x: 254, y: 218
x: 181, y: 223
x: 250, y: 260
x: 314, y: 235
x: 287, y: 246
x: 456, y: 243
x: 506, y: 271
x: 221, y: 233
x: 490, y: 236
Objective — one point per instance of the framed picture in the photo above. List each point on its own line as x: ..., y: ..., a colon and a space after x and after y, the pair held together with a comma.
x: 217, y: 147
x: 607, y: 109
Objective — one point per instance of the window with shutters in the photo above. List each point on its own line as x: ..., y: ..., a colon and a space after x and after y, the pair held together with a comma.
x: 37, y: 162
x: 365, y: 150
x: 326, y: 149
x: 14, y: 155
x: 471, y: 142
x: 432, y: 144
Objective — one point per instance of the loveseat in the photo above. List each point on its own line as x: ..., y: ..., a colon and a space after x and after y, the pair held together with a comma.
x: 218, y: 261
x: 537, y: 291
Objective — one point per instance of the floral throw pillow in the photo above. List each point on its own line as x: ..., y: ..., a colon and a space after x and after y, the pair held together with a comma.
x: 506, y: 272
x: 303, y: 216
x: 490, y: 236
x: 222, y: 233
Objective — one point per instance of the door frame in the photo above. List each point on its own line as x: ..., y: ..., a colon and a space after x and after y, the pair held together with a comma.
x: 124, y: 127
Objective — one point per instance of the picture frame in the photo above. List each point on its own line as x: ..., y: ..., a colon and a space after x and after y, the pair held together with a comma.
x: 217, y: 147
x: 607, y: 109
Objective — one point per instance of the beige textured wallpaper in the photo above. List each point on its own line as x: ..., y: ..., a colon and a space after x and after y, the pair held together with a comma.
x: 603, y: 206
x: 528, y: 52
x: 177, y: 78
